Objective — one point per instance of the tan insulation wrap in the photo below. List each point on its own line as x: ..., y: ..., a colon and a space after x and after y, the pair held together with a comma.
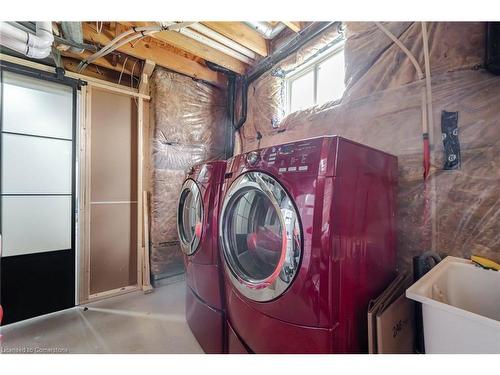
x: 375, y: 63
x: 455, y: 212
x: 189, y: 126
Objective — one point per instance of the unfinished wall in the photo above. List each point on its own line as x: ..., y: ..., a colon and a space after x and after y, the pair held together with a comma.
x: 113, y: 192
x: 189, y: 120
x: 456, y: 212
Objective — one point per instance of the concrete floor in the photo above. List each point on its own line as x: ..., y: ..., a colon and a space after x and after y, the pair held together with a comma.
x: 131, y: 323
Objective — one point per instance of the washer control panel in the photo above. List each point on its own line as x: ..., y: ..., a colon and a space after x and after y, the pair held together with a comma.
x: 297, y: 157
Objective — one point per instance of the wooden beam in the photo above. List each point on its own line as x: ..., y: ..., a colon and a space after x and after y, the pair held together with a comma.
x: 105, y: 63
x: 241, y: 34
x: 161, y: 56
x: 294, y: 26
x: 146, y: 269
x: 92, y: 71
x: 185, y: 43
x: 149, y: 66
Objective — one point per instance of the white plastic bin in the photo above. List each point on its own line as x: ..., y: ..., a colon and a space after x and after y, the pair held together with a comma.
x: 460, y: 307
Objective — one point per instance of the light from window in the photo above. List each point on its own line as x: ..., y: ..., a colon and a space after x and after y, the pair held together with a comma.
x: 317, y: 83
x: 302, y: 90
x: 331, y: 74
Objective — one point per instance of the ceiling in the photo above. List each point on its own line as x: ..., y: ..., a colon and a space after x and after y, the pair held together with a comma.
x: 235, y: 46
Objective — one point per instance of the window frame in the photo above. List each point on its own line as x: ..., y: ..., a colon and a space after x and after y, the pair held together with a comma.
x: 305, y: 68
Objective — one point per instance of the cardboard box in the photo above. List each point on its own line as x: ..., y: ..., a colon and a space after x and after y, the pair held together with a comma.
x: 391, y: 320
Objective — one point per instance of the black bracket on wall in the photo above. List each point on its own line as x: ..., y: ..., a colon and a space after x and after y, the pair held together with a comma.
x: 451, y: 143
x: 492, y: 62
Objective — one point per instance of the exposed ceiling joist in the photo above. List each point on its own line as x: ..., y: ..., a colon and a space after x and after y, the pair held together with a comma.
x: 194, y: 47
x: 92, y: 71
x: 106, y: 63
x: 241, y: 34
x: 161, y: 56
x: 294, y: 26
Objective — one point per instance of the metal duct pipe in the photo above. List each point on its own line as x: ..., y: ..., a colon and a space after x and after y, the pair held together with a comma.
x: 74, y: 33
x: 265, y: 29
x: 37, y: 45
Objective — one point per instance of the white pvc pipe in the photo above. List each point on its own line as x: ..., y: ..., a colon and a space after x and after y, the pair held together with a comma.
x: 37, y: 46
x: 7, y: 30
x: 202, y: 29
x: 428, y: 84
x: 43, y: 38
x: 13, y: 43
x: 215, y: 45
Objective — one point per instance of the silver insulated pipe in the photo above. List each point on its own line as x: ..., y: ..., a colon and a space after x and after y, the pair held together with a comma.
x: 265, y: 29
x: 73, y: 32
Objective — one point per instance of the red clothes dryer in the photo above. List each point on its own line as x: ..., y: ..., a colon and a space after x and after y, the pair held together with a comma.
x: 308, y: 236
x: 197, y: 226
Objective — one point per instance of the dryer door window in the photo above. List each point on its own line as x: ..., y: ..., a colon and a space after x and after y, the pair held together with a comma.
x: 260, y: 236
x: 189, y: 217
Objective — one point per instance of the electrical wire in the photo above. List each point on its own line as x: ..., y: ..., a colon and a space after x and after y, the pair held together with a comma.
x: 131, y: 82
x: 123, y: 68
x: 426, y: 115
x: 118, y: 41
x: 132, y: 75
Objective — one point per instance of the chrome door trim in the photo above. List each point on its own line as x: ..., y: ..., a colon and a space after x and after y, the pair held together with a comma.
x: 189, y: 247
x: 277, y: 283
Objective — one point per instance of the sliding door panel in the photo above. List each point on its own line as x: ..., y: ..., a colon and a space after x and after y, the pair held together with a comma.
x: 37, y: 107
x: 35, y: 224
x: 37, y: 206
x: 34, y: 165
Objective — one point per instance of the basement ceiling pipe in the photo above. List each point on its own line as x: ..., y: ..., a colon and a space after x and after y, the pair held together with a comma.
x: 215, y: 45
x: 202, y: 29
x: 73, y: 32
x: 37, y: 45
x: 265, y: 29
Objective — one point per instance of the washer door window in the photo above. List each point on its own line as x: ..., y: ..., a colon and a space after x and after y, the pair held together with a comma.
x: 260, y: 236
x: 189, y: 217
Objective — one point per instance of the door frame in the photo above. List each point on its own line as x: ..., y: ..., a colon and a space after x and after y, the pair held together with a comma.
x: 85, y: 202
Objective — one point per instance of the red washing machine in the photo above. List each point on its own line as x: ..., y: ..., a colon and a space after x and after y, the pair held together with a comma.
x: 197, y: 225
x: 308, y: 236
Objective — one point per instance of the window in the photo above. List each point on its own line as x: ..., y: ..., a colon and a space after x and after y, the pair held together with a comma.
x: 318, y: 81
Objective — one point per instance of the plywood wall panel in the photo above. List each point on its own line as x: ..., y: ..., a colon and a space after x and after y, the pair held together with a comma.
x: 114, y: 147
x: 113, y: 192
x: 113, y: 250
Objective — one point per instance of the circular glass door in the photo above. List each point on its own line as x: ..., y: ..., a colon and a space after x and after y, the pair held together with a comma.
x: 260, y: 236
x: 189, y: 217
